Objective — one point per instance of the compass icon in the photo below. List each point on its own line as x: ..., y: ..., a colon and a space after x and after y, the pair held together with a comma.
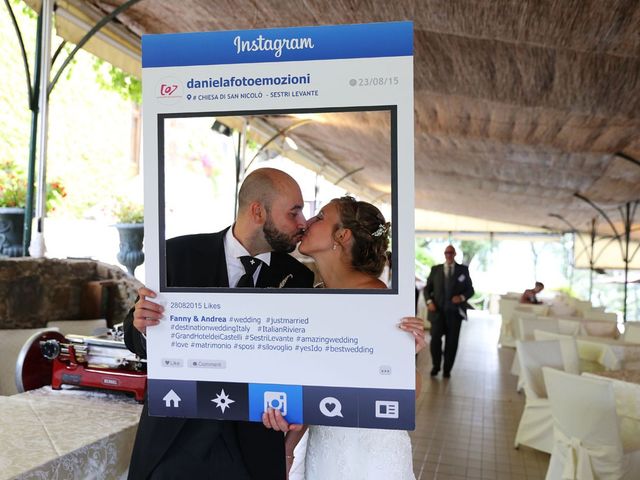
x: 222, y: 400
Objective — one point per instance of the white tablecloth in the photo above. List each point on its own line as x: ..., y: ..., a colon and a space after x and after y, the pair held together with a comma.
x: 626, y: 388
x: 610, y: 353
x: 66, y: 434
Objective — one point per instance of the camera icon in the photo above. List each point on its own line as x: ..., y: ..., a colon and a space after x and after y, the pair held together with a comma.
x: 277, y: 401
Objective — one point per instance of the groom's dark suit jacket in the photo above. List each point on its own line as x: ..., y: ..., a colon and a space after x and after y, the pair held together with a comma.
x: 199, y: 261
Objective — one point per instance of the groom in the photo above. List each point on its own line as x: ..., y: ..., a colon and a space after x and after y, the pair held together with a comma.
x: 269, y: 225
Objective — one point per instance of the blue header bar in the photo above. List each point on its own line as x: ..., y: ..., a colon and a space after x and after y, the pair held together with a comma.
x: 278, y: 45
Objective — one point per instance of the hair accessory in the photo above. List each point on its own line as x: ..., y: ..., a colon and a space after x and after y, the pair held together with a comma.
x: 382, y: 229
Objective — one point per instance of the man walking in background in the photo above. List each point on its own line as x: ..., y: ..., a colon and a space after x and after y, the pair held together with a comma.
x: 448, y: 288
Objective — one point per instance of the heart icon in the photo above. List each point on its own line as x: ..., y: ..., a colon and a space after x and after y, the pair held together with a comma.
x: 330, y: 407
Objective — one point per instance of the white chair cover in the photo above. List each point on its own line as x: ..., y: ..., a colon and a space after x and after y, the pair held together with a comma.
x: 587, y: 442
x: 600, y: 328
x: 602, y: 316
x: 582, y: 306
x: 569, y: 327
x: 579, y: 455
x: 560, y: 308
x: 632, y: 332
x: 514, y: 295
x: 568, y: 348
x: 535, y: 429
x: 507, y: 306
x: 509, y: 309
x: 527, y: 325
x: 520, y: 315
x: 588, y: 356
x: 545, y: 335
x: 540, y: 310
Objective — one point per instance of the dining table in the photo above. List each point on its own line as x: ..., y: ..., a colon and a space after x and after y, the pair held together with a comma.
x: 67, y: 434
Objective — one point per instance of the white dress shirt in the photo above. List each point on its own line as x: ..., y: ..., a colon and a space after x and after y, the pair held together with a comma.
x: 233, y: 250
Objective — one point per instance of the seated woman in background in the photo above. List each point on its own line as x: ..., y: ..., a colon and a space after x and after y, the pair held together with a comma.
x: 348, y: 240
x: 529, y: 295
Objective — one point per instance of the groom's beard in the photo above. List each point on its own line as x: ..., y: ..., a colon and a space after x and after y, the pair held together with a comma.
x: 280, y: 241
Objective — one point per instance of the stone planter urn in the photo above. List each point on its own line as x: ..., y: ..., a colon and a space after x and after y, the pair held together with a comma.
x: 11, y: 231
x: 131, y: 237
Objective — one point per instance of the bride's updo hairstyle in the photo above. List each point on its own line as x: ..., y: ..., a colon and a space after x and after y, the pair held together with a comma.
x: 370, y: 233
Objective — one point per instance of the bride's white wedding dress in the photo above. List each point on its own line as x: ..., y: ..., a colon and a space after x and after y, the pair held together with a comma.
x: 335, y: 453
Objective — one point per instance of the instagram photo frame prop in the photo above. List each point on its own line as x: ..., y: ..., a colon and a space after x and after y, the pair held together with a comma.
x: 321, y: 356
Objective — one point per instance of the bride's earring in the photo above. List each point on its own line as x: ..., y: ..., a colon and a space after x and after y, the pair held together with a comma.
x: 335, y: 245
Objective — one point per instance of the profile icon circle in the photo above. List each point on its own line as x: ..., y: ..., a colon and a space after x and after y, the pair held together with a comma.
x: 168, y: 90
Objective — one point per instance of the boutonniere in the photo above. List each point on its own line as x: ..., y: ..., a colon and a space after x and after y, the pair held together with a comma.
x: 461, y: 278
x: 285, y: 280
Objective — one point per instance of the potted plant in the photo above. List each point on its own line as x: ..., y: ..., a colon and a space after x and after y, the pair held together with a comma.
x: 129, y: 217
x: 13, y: 198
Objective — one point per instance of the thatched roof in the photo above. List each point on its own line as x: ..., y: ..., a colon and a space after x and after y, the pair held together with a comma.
x: 519, y: 104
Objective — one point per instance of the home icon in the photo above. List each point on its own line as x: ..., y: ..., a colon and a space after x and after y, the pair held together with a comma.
x: 171, y: 399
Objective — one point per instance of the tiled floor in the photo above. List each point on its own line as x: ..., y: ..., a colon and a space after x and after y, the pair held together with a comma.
x: 465, y: 425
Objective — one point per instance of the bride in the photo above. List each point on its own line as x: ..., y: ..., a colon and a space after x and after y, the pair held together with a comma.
x: 348, y: 240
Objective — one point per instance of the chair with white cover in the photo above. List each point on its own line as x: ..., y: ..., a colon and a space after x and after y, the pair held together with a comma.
x: 535, y: 429
x: 586, y: 360
x: 568, y: 349
x: 541, y: 309
x: 581, y: 306
x: 526, y: 326
x: 507, y: 306
x: 515, y: 295
x: 600, y: 328
x: 632, y: 332
x: 601, y: 316
x: 545, y: 335
x: 587, y: 443
x: 561, y: 308
x: 568, y: 326
x: 520, y: 316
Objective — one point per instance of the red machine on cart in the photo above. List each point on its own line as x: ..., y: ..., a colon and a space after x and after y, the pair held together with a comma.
x: 101, y: 361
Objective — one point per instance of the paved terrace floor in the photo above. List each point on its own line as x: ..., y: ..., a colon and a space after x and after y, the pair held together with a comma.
x: 465, y: 425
